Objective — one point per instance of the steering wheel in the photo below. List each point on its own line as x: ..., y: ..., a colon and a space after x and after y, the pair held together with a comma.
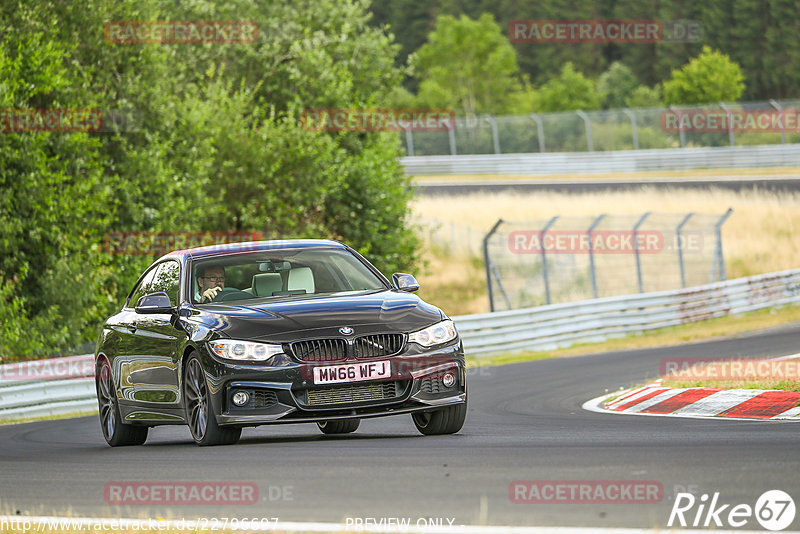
x: 231, y: 293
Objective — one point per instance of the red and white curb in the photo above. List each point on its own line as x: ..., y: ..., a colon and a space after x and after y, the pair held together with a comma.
x: 653, y: 399
x: 700, y: 402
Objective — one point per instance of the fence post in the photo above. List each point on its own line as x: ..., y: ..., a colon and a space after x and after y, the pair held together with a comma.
x: 681, y: 133
x: 539, y: 129
x: 495, y: 134
x: 634, y: 130
x: 636, y: 251
x: 591, y: 253
x: 409, y: 141
x: 730, y: 122
x: 585, y: 117
x: 718, y: 260
x: 774, y: 104
x: 487, y: 262
x: 680, y: 247
x: 543, y: 253
x: 451, y: 133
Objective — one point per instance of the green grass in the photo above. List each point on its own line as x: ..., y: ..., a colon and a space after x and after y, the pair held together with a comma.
x: 45, y: 418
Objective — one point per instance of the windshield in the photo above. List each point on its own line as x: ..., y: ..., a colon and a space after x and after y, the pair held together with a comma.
x: 280, y: 274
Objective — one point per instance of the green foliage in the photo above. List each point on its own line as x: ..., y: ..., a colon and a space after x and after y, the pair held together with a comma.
x: 616, y: 85
x: 645, y: 97
x: 709, y: 78
x: 211, y: 141
x: 467, y: 65
x: 569, y: 91
x: 762, y: 36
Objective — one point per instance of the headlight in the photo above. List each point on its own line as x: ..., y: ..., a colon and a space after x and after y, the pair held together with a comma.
x: 233, y: 349
x: 435, y: 334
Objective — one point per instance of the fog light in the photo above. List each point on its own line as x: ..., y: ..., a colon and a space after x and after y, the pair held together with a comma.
x: 449, y: 380
x: 240, y: 398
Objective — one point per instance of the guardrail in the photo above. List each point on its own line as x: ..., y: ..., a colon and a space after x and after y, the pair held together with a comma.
x: 65, y: 385
x: 662, y: 159
x: 43, y: 388
x: 561, y: 325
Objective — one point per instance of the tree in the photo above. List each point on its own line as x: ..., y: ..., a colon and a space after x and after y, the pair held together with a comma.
x: 645, y: 97
x: 708, y: 78
x: 467, y: 65
x: 569, y: 91
x: 213, y: 142
x: 616, y: 85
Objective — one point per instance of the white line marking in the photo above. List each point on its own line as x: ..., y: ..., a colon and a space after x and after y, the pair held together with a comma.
x: 78, y: 523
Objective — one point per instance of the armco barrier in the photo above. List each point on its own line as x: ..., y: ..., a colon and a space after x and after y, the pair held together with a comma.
x: 562, y: 325
x: 662, y: 159
x: 42, y: 388
x: 27, y: 390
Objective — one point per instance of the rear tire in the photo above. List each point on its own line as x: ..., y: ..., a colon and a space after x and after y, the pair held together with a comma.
x: 115, y: 432
x: 443, y: 421
x: 199, y: 414
x: 341, y: 426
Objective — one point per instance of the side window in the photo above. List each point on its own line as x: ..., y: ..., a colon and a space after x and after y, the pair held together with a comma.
x: 167, y: 279
x: 141, y: 289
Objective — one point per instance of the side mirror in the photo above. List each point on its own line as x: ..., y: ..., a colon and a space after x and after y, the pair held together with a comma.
x: 154, y: 303
x: 405, y: 282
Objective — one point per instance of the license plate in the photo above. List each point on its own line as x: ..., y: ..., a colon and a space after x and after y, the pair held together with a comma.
x: 352, y: 372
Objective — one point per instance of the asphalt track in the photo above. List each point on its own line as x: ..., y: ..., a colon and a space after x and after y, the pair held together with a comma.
x: 776, y: 183
x: 525, y: 422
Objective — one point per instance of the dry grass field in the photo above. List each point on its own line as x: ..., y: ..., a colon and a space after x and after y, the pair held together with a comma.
x: 762, y: 234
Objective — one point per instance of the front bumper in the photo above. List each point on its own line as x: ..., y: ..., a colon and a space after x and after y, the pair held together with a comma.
x: 285, y: 392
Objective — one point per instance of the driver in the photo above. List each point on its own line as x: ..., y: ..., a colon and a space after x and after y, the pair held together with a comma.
x: 211, y: 279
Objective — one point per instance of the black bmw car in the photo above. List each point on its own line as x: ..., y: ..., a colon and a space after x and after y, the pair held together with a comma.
x: 223, y: 337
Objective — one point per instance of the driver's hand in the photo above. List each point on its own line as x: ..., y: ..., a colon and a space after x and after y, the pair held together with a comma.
x: 209, y: 294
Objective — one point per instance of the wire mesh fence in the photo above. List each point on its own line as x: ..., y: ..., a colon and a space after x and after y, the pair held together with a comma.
x: 722, y: 124
x: 564, y: 259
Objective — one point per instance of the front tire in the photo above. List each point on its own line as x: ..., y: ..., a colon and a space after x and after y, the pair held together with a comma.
x: 202, y: 422
x: 341, y: 426
x: 443, y: 421
x: 115, y: 432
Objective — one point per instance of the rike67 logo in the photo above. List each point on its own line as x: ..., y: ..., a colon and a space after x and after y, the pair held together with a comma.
x: 774, y: 510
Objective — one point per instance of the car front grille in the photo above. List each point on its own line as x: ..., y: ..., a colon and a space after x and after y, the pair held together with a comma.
x: 264, y: 399
x: 338, y: 349
x: 319, y: 350
x: 353, y: 394
x: 378, y: 345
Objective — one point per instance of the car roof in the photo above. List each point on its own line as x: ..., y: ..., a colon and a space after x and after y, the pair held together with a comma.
x: 247, y: 246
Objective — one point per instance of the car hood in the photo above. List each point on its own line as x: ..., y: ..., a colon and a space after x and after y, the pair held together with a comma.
x: 319, y: 315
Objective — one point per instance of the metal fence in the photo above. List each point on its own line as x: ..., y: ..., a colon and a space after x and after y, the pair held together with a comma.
x: 564, y: 259
x: 664, y: 159
x: 45, y: 388
x: 562, y: 325
x: 610, y: 130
